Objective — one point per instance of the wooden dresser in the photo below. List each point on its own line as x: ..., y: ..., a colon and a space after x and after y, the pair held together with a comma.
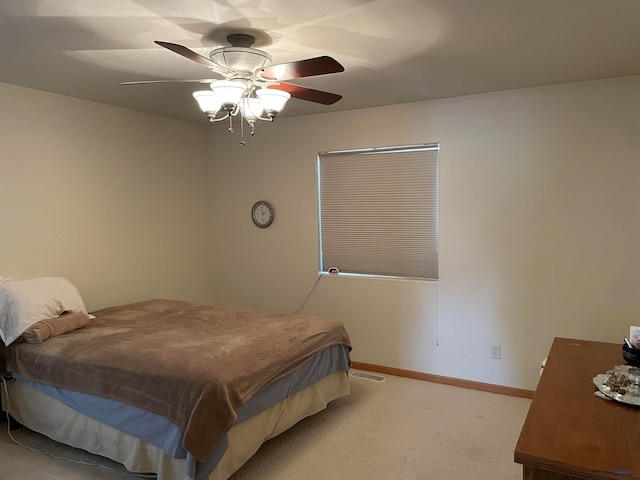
x: 569, y: 433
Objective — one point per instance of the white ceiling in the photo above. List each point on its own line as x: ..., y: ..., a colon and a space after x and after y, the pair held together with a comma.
x: 393, y: 51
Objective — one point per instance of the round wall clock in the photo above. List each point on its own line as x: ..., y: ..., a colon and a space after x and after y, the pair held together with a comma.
x: 262, y: 214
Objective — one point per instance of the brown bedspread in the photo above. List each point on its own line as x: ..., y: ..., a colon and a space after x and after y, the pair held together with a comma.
x: 192, y: 364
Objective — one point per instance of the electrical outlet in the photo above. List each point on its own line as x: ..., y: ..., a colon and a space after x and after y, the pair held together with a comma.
x: 496, y: 351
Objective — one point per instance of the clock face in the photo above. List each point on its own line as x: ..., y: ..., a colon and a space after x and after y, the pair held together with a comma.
x: 262, y: 214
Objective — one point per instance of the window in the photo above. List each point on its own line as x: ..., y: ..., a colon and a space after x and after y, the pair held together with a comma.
x: 378, y: 211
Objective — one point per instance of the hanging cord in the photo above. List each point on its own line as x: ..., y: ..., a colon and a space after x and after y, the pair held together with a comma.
x: 301, y: 306
x: 35, y: 450
x: 437, y: 318
x: 242, y: 142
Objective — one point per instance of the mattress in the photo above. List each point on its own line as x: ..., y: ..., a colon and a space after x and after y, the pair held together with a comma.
x: 49, y: 416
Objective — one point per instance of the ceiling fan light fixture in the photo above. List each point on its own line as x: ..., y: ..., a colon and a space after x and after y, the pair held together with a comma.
x: 229, y: 92
x: 272, y: 100
x: 252, y: 88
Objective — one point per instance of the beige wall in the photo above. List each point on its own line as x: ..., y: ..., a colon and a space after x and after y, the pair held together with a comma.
x: 539, y: 219
x: 116, y: 200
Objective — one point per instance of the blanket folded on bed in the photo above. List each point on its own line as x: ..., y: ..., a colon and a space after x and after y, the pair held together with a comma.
x: 193, y: 364
x: 52, y: 327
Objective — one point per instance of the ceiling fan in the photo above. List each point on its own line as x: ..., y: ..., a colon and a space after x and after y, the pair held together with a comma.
x: 251, y: 85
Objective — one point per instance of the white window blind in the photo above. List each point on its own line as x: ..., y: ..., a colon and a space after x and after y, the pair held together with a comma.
x: 378, y: 211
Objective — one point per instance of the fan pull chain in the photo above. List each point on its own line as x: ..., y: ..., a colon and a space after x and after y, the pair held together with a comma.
x: 230, y: 123
x: 242, y: 142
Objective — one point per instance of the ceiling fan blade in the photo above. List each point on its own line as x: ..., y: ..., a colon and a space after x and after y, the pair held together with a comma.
x: 143, y: 82
x: 302, y: 68
x: 308, y: 94
x: 195, y: 57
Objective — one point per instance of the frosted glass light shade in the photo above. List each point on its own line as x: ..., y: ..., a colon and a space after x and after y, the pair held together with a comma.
x: 229, y: 92
x: 251, y: 108
x: 208, y: 101
x: 273, y: 100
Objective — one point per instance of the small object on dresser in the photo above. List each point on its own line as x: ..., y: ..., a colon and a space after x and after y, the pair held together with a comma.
x: 631, y: 355
x: 634, y: 381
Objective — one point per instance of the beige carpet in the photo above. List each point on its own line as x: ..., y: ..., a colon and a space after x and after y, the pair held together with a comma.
x: 397, y: 429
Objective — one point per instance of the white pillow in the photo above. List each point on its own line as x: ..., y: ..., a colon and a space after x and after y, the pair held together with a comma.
x: 25, y: 302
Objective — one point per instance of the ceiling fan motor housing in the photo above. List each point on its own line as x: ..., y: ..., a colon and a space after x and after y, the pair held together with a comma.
x: 243, y: 60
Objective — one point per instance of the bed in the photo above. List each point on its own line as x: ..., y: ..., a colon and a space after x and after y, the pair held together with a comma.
x: 182, y: 390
